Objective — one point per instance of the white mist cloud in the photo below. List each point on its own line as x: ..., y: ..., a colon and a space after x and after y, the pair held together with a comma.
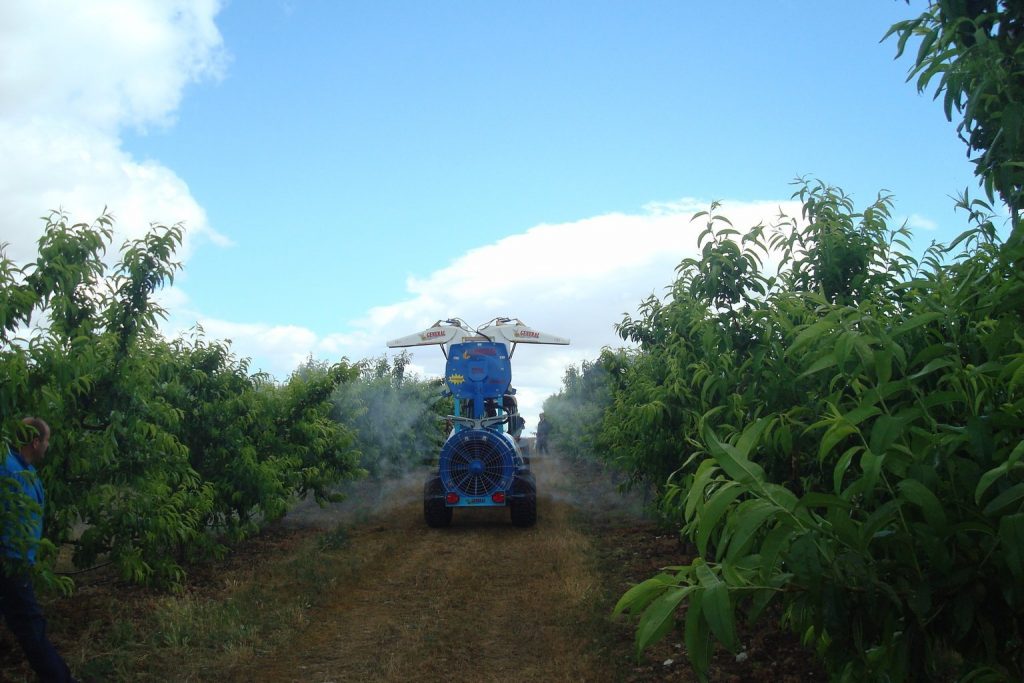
x: 72, y: 76
x: 573, y: 279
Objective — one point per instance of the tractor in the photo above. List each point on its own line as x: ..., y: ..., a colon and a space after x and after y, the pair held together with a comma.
x: 481, y: 463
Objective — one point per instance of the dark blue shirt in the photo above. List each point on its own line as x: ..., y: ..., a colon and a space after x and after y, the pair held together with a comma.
x: 27, y: 478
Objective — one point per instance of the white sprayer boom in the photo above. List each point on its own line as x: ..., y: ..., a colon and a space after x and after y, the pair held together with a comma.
x: 509, y: 331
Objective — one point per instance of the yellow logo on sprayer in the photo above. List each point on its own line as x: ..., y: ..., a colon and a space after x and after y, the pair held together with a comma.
x: 456, y: 379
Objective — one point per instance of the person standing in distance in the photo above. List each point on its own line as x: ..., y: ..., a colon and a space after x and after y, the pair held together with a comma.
x: 18, y: 601
x: 543, y: 429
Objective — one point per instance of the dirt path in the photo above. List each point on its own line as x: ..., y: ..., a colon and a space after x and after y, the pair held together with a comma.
x: 398, y: 601
x: 482, y: 600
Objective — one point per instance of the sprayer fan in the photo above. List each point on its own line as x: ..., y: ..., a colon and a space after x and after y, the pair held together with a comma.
x: 478, y: 469
x: 478, y: 463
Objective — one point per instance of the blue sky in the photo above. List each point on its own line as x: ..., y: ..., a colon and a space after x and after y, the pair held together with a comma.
x: 350, y: 172
x: 405, y: 133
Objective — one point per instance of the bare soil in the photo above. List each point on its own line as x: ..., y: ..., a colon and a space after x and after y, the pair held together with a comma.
x: 481, y: 600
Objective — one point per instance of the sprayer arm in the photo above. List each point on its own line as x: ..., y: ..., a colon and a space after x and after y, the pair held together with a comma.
x: 477, y: 423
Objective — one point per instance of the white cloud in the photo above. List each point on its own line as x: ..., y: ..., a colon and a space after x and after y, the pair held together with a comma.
x: 277, y: 349
x: 573, y: 279
x: 72, y: 76
x: 918, y: 221
x: 104, y: 63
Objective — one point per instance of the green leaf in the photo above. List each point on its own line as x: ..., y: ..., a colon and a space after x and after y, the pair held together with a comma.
x: 816, y: 499
x: 751, y: 436
x: 995, y: 473
x: 761, y: 598
x: 811, y: 333
x: 884, y: 515
x: 717, y: 607
x: 923, y: 52
x: 697, y: 638
x: 701, y: 479
x: 780, y: 496
x: 886, y: 430
x: 1011, y: 537
x: 659, y: 617
x: 941, y: 398
x: 1005, y: 499
x: 729, y: 458
x: 839, y: 430
x: 871, y: 469
x: 861, y: 413
x: 775, y: 543
x: 883, y: 366
x: 839, y: 471
x: 1017, y: 379
x: 640, y: 595
x: 749, y: 517
x: 826, y: 361
x: 917, y: 321
x: 921, y: 496
x: 988, y: 479
x: 844, y: 527
x: 709, y: 516
x: 934, y: 365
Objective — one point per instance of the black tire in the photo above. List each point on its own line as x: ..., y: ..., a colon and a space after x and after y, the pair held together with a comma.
x: 524, y: 482
x: 437, y: 514
x: 524, y: 511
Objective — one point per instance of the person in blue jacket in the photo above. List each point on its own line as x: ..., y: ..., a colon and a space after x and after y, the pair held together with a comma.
x: 18, y: 541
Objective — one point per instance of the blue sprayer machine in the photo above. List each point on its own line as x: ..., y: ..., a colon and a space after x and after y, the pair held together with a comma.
x: 481, y: 464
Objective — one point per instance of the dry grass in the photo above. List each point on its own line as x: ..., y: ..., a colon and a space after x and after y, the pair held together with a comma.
x: 109, y: 631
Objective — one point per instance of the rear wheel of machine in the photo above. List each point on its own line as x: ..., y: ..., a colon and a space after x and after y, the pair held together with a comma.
x: 524, y: 511
x: 437, y: 514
